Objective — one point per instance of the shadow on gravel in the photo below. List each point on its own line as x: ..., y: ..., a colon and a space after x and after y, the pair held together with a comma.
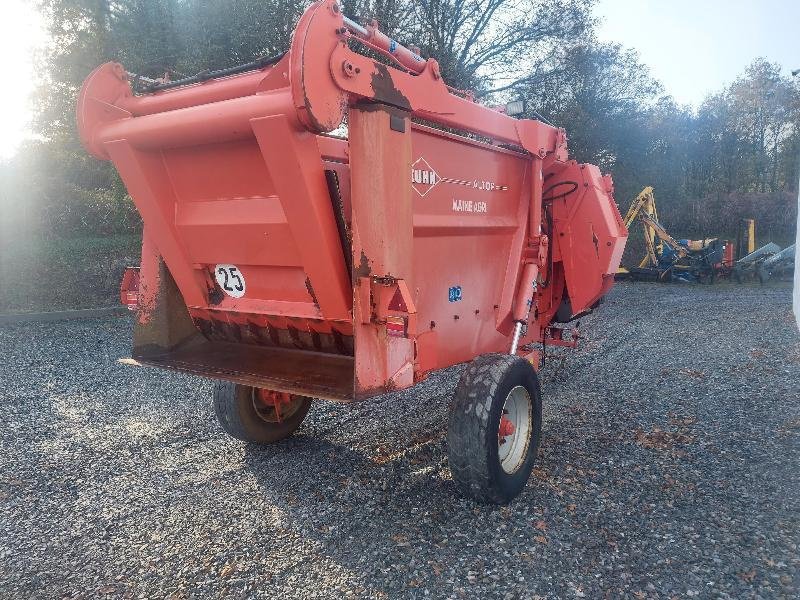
x: 337, y: 473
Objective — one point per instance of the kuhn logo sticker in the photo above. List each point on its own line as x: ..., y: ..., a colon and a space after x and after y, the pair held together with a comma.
x: 424, y: 178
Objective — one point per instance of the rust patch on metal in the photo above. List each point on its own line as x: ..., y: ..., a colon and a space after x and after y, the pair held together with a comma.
x: 387, y: 280
x: 323, y: 376
x: 147, y: 299
x: 273, y: 334
x: 316, y: 340
x: 314, y: 122
x: 363, y: 269
x: 311, y: 293
x: 215, y: 296
x: 294, y: 334
x: 231, y: 331
x: 147, y: 305
x: 338, y: 341
x: 260, y: 334
x: 253, y: 334
x: 385, y: 90
x: 203, y: 326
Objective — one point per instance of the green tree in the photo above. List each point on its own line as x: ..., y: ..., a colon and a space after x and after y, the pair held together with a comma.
x: 604, y: 97
x: 222, y: 34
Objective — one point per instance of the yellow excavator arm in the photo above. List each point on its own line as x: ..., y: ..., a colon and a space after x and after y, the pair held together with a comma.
x: 645, y: 197
x: 644, y: 207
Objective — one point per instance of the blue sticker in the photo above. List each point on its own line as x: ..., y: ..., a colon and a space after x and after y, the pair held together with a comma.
x: 454, y: 293
x: 392, y: 46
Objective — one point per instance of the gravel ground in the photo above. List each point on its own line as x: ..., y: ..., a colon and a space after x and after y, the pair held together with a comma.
x: 668, y: 469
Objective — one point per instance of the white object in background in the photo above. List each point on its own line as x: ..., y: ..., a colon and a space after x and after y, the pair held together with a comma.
x: 796, y: 302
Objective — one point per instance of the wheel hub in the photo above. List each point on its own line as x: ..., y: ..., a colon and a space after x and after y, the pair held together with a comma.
x: 275, y: 407
x: 506, y: 428
x: 513, y: 432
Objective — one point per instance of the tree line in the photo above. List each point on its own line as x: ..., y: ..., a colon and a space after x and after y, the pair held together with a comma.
x: 733, y: 157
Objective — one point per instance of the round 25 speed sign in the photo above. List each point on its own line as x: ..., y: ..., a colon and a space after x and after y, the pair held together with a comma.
x: 230, y: 279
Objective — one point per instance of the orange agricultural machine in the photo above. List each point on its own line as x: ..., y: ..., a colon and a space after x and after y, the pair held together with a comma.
x: 291, y: 264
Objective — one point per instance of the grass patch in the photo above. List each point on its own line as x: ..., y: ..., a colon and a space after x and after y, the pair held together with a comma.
x: 42, y: 274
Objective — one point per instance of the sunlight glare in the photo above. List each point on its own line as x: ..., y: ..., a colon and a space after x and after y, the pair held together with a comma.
x: 22, y: 33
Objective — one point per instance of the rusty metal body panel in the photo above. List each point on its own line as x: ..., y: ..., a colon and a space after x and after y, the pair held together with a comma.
x: 277, y: 256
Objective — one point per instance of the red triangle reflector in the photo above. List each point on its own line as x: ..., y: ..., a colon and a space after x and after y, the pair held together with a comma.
x: 397, y: 302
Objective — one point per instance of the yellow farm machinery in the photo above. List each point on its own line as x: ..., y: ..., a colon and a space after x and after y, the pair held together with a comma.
x: 671, y: 260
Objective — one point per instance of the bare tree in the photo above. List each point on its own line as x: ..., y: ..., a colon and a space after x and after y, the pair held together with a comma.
x: 485, y: 45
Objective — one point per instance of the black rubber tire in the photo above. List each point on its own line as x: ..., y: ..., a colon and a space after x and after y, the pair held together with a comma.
x: 473, y: 425
x: 233, y: 404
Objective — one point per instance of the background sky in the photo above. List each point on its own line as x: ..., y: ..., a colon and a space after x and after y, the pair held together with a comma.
x: 694, y: 47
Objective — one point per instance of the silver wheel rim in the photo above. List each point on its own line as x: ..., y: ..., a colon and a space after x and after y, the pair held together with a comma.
x: 512, y: 448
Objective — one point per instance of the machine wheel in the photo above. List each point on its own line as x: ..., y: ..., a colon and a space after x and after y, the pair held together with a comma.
x: 495, y: 427
x: 707, y: 276
x: 257, y: 415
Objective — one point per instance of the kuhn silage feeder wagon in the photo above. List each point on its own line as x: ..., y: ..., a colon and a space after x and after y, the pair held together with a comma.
x: 290, y: 264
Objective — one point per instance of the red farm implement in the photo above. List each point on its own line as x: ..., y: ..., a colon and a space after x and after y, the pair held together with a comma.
x: 290, y: 264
